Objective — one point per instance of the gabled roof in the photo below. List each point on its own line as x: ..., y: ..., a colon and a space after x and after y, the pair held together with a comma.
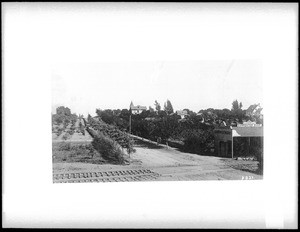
x: 181, y: 112
x: 138, y: 107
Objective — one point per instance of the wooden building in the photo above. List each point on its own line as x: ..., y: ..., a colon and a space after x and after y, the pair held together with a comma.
x: 225, y: 137
x: 137, y: 109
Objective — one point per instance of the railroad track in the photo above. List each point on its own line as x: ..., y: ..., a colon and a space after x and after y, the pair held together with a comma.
x: 108, y: 176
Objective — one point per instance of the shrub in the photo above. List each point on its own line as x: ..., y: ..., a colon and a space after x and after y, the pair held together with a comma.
x: 71, y: 132
x: 92, y: 132
x: 199, y: 141
x: 255, y: 149
x: 75, y: 152
x: 241, y: 146
x: 108, y: 148
x: 59, y: 131
x: 122, y: 138
x: 66, y: 136
x: 64, y: 146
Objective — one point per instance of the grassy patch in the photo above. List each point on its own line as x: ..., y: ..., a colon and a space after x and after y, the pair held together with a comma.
x: 70, y: 152
x: 248, y: 166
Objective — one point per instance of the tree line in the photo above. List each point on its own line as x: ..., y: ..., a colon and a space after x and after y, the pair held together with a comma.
x: 194, y: 132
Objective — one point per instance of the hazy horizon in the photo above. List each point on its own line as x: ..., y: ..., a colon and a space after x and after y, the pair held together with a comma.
x: 195, y: 85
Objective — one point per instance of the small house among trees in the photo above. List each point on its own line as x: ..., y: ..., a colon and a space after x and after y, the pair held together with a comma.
x: 137, y: 109
x: 182, y: 113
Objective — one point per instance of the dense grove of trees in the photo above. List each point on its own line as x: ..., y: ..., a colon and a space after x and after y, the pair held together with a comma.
x: 193, y: 133
x: 168, y: 108
x: 109, y: 141
x: 61, y: 120
x: 96, y: 126
x: 195, y: 130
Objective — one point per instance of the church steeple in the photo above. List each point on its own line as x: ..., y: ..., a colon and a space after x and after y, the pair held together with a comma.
x: 131, y: 105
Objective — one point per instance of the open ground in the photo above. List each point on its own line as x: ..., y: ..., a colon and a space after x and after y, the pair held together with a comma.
x: 150, y: 162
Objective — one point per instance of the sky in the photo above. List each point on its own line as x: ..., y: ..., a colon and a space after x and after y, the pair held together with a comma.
x: 196, y: 85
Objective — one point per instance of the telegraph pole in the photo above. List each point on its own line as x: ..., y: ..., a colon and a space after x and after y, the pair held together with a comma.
x: 130, y: 112
x: 129, y: 127
x: 130, y: 123
x: 231, y: 145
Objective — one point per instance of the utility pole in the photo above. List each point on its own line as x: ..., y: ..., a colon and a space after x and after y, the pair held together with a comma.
x: 130, y: 123
x: 231, y: 142
x: 129, y: 127
x: 130, y: 112
x: 232, y: 147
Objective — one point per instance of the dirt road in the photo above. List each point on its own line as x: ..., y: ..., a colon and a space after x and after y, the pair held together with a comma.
x: 175, y: 165
x: 152, y: 162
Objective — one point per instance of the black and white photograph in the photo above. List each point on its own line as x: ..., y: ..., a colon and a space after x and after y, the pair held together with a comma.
x: 149, y: 115
x: 151, y: 121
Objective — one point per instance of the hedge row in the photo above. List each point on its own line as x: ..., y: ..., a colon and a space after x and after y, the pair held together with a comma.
x: 122, y: 138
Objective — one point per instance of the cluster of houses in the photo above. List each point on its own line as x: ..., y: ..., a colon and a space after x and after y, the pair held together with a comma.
x: 139, y: 109
x: 253, y: 110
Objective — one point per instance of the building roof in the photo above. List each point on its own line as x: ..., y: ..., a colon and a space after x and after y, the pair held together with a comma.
x: 241, y: 131
x: 181, y: 112
x: 249, y: 124
x: 138, y: 107
x: 247, y: 131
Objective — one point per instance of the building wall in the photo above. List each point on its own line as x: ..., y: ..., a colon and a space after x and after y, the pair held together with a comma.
x: 224, y: 136
x: 136, y: 111
x: 223, y: 141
